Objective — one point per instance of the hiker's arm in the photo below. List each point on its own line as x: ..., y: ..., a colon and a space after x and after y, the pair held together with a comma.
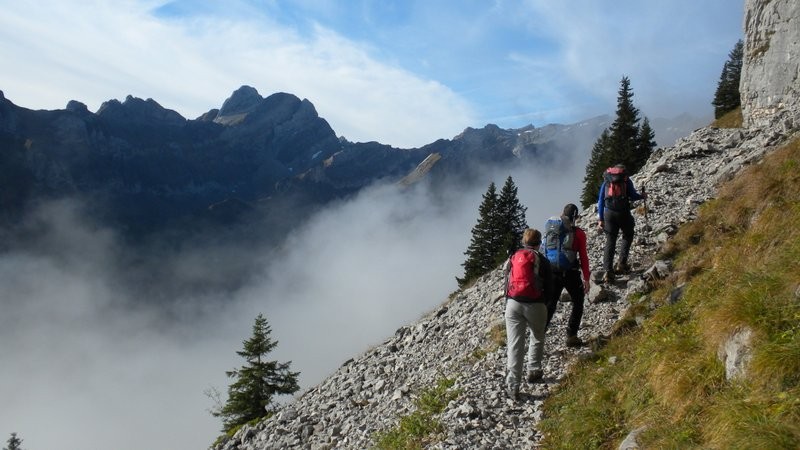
x: 506, y: 267
x: 601, y: 204
x: 580, y: 237
x: 632, y: 193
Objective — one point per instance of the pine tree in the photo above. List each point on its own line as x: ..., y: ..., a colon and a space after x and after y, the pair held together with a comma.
x: 599, y: 160
x: 625, y: 127
x: 250, y: 396
x: 501, y: 222
x: 624, y: 142
x: 14, y: 443
x: 485, y: 242
x: 727, y: 97
x: 512, y: 221
x: 645, y: 144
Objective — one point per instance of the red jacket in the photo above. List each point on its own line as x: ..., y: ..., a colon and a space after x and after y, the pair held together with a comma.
x: 580, y: 246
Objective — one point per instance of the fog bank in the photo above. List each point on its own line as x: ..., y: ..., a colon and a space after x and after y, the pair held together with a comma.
x: 88, y: 365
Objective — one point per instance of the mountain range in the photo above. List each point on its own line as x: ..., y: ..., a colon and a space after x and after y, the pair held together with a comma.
x: 144, y: 168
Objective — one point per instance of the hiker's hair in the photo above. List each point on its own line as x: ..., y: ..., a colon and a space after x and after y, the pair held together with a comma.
x: 571, y: 211
x: 531, y: 237
x: 621, y: 166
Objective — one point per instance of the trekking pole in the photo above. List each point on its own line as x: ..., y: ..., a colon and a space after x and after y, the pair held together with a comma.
x: 646, y: 220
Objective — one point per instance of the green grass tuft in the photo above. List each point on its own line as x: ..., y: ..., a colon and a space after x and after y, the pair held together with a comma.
x: 418, y: 428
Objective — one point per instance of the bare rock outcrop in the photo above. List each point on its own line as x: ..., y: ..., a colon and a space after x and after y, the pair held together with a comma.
x: 770, y: 83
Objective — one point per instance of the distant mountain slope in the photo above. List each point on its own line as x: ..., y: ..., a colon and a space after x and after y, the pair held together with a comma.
x: 144, y: 168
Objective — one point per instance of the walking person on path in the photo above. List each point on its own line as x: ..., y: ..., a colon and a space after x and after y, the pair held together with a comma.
x: 614, y: 215
x: 529, y: 288
x: 565, y: 247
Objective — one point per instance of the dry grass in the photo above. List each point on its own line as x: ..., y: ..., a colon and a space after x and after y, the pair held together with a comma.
x: 741, y: 262
x: 731, y: 119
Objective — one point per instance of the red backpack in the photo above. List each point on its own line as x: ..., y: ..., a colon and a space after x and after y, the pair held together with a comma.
x: 616, y: 195
x: 523, y: 279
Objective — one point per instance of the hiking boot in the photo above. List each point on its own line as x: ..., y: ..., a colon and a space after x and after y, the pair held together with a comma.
x: 608, y: 277
x: 535, y: 375
x: 574, y: 341
x: 513, y: 394
x: 622, y: 267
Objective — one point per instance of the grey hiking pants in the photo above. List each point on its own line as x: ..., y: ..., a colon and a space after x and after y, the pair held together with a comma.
x: 520, y: 317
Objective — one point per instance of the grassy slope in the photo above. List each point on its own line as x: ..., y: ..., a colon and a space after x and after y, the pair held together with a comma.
x: 740, y: 262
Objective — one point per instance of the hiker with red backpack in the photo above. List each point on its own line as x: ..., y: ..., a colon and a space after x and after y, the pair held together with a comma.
x: 529, y: 288
x: 614, y: 213
x: 565, y: 247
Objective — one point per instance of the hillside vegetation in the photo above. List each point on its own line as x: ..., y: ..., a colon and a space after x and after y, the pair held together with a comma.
x: 738, y: 266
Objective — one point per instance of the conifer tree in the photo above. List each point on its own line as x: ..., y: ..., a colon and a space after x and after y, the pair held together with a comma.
x: 501, y: 222
x: 14, y: 443
x: 645, y: 144
x: 512, y: 221
x: 624, y: 142
x: 727, y: 97
x: 484, y: 242
x: 599, y: 160
x: 251, y: 394
x: 625, y: 127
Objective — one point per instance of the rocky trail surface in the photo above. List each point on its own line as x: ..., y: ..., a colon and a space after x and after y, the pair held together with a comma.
x: 368, y: 394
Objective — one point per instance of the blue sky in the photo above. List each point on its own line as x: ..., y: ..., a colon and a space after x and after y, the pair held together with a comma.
x: 399, y: 72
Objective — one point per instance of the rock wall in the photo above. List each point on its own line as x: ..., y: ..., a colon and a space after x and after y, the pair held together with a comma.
x: 770, y: 83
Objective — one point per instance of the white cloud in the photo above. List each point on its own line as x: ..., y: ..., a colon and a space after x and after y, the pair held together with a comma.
x: 671, y: 51
x: 84, y: 354
x: 96, y: 51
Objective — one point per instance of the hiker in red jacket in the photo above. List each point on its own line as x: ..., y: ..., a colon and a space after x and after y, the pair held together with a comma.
x: 565, y: 247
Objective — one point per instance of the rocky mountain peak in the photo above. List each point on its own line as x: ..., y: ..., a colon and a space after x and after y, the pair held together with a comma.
x: 242, y: 102
x: 77, y: 107
x: 136, y: 110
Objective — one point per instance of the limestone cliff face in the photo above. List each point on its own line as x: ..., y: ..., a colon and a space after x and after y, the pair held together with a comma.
x: 770, y: 83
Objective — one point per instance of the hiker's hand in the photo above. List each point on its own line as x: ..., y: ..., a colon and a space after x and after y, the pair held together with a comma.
x: 600, y: 224
x: 586, y: 286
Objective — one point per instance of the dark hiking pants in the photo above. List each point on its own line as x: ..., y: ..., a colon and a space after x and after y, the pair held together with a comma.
x: 571, y: 280
x: 614, y: 222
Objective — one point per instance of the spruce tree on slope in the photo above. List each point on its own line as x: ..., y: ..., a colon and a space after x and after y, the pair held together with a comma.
x: 645, y: 144
x: 625, y: 127
x: 14, y: 443
x: 624, y: 142
x: 485, y: 242
x: 727, y: 97
x: 512, y: 221
x: 599, y: 160
x: 250, y: 396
